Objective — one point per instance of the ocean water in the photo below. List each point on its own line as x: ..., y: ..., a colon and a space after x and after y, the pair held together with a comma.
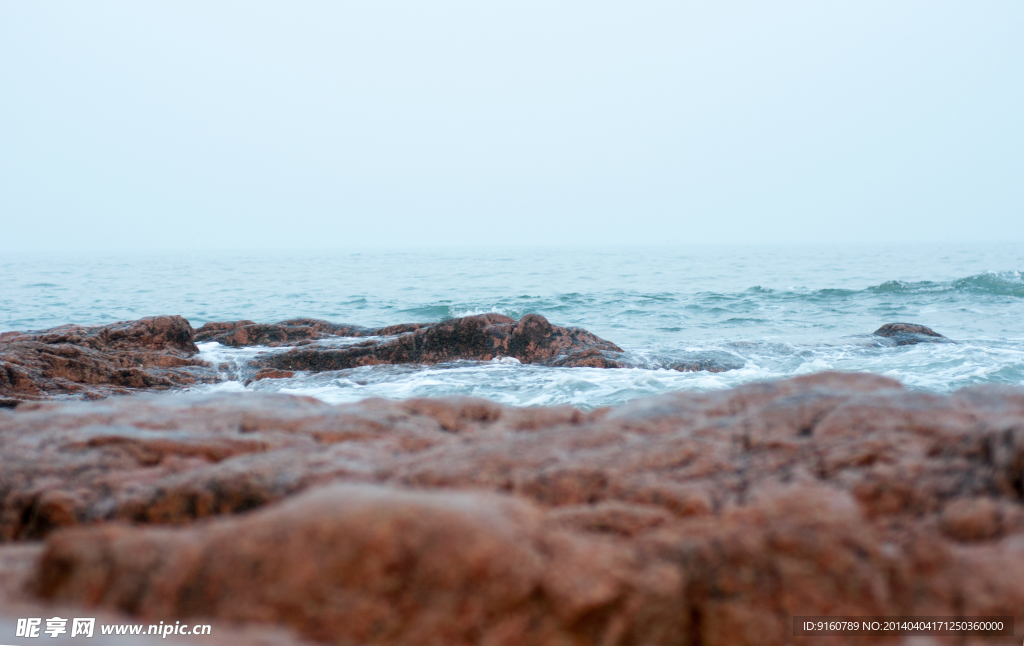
x: 775, y: 311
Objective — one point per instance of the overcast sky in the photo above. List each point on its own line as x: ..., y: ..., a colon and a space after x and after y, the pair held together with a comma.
x: 253, y: 125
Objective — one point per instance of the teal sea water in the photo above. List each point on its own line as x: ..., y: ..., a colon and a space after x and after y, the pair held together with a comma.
x: 775, y: 311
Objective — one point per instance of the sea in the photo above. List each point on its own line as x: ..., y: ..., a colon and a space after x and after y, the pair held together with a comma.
x: 772, y: 311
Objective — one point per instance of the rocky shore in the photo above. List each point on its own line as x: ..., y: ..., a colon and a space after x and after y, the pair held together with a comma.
x: 95, y: 362
x: 697, y: 519
x: 160, y: 353
x: 684, y: 519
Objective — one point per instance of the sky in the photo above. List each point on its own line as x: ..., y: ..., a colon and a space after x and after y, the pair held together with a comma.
x: 374, y: 125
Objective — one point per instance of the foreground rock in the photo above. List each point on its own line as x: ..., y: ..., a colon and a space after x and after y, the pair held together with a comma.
x: 682, y: 519
x: 396, y: 566
x: 94, y: 362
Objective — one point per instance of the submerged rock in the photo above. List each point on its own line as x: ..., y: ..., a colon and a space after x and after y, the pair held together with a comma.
x: 705, y: 362
x: 909, y: 334
x: 689, y: 518
x: 93, y: 362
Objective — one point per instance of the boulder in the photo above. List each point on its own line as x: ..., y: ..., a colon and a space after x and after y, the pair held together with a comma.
x: 375, y: 565
x: 532, y: 339
x: 909, y: 334
x: 93, y: 362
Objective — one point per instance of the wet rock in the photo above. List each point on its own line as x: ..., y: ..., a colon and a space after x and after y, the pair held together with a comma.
x: 532, y: 339
x: 158, y: 353
x: 687, y: 518
x: 290, y: 332
x: 271, y: 373
x: 93, y: 362
x: 909, y: 334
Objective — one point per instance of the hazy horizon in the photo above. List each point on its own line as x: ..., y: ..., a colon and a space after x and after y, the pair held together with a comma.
x: 253, y: 126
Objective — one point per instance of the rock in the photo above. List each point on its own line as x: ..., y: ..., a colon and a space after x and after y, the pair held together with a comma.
x: 290, y: 332
x: 483, y: 337
x: 93, y: 362
x: 972, y: 519
x: 158, y: 353
x: 689, y: 518
x: 532, y: 339
x: 369, y: 564
x: 909, y: 334
x: 271, y: 373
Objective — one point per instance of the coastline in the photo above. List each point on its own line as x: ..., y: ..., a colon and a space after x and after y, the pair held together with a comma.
x: 160, y: 352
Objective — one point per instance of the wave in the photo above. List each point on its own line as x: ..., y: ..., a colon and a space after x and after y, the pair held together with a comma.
x: 1004, y: 283
x: 621, y: 314
x: 996, y: 283
x: 927, y: 367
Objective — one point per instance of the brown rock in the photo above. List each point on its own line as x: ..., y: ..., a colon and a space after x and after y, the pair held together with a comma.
x: 909, y: 334
x: 93, y: 362
x: 478, y: 338
x: 689, y: 518
x: 533, y: 339
x: 271, y: 373
x: 368, y: 564
x: 246, y: 333
x: 972, y: 519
